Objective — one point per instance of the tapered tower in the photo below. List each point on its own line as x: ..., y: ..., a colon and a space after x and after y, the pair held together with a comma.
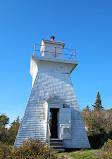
x: 52, y: 110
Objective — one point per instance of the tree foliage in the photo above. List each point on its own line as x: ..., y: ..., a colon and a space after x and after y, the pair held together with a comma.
x: 4, y: 120
x: 8, y: 134
x: 5, y: 150
x: 30, y: 149
x: 98, y: 103
x: 13, y: 130
x: 107, y: 150
x: 98, y: 124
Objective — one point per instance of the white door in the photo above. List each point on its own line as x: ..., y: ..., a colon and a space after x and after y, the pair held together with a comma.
x: 64, y: 122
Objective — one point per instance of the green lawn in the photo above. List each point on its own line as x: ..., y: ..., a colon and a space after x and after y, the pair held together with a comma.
x: 83, y: 154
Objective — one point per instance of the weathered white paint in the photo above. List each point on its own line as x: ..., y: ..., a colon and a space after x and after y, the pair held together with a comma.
x: 51, y: 48
x: 51, y: 85
x: 64, y: 123
x: 50, y: 64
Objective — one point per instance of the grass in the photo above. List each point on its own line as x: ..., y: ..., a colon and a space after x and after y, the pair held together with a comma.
x: 83, y: 154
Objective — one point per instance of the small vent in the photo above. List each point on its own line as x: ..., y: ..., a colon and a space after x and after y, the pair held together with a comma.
x: 66, y: 131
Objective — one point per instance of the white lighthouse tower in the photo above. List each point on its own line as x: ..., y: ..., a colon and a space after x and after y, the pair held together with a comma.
x: 52, y: 111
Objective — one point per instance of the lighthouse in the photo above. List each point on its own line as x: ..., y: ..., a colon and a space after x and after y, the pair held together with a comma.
x: 52, y: 113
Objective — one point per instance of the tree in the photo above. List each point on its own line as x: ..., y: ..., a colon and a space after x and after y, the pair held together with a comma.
x: 4, y: 120
x: 87, y: 109
x: 98, y: 103
x: 12, y: 132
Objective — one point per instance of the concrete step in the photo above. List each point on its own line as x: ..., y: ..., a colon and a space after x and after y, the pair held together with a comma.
x: 59, y: 150
x: 57, y: 145
x: 55, y: 140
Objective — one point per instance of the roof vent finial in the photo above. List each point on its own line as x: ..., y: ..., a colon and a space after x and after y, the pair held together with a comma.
x: 52, y: 38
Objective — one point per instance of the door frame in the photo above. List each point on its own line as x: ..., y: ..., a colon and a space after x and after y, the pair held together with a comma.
x: 55, y: 103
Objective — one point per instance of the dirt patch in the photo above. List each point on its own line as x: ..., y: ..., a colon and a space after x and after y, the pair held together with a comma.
x: 98, y: 154
x: 64, y: 157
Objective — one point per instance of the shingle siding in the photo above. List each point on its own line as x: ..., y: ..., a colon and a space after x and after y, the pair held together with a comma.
x: 47, y: 85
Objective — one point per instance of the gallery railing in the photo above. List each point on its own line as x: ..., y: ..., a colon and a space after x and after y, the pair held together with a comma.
x: 69, y: 54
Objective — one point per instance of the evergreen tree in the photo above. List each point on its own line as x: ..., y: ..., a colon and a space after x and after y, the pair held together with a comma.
x: 98, y: 103
x: 87, y: 108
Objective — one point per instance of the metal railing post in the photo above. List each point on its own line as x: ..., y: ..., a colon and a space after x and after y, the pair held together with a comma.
x: 34, y: 49
x: 74, y: 54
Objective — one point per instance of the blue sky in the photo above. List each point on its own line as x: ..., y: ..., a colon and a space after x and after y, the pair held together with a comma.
x: 85, y: 25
